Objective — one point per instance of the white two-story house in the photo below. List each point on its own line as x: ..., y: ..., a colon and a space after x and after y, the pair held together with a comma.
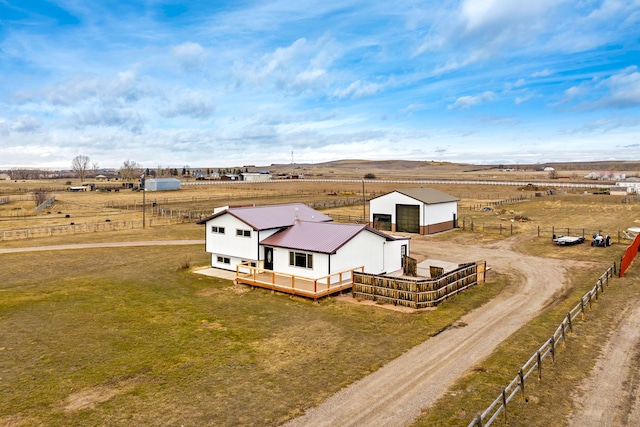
x: 298, y: 240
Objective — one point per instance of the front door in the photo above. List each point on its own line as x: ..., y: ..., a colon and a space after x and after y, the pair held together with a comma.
x: 268, y: 258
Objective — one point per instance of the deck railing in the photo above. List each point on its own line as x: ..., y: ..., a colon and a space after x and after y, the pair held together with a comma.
x: 293, y: 284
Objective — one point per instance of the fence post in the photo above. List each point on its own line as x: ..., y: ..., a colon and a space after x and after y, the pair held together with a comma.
x: 582, y: 307
x: 569, y: 320
x: 564, y: 341
x: 553, y: 349
x: 539, y: 365
x: 504, y: 404
x: 521, y: 376
x: 478, y: 420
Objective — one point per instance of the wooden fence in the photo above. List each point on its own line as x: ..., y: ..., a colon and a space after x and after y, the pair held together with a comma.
x: 4, y: 200
x: 473, y: 226
x: 417, y: 293
x: 549, y: 348
x: 510, y: 200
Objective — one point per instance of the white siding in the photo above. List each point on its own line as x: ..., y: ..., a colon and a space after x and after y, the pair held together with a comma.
x: 429, y: 214
x: 365, y: 249
x: 437, y: 213
x: 281, y: 264
x: 162, y: 184
x: 393, y: 255
x: 229, y: 244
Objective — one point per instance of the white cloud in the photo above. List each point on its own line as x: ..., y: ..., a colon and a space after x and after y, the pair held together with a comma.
x: 359, y: 89
x: 499, y: 15
x: 522, y: 99
x: 624, y: 88
x: 24, y: 123
x: 544, y: 73
x: 189, y: 55
x: 188, y: 103
x: 619, y: 90
x: 301, y: 67
x: 466, y: 102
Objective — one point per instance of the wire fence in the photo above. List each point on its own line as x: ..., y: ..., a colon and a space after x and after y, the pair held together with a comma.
x: 44, y: 204
x: 549, y: 348
x: 91, y: 227
x: 494, y: 203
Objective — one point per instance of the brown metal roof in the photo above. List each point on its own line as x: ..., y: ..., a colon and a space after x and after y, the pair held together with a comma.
x: 322, y: 237
x: 272, y: 216
x: 426, y: 195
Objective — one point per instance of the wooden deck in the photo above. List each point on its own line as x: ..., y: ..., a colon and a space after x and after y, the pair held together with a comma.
x: 295, y: 285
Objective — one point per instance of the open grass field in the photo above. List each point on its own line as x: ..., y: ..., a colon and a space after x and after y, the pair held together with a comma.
x: 126, y: 336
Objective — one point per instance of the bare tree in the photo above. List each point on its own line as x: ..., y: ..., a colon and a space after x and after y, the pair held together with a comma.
x: 40, y: 196
x: 130, y: 170
x: 80, y: 165
x: 95, y: 167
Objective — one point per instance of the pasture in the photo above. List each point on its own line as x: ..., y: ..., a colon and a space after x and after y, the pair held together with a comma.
x: 128, y: 335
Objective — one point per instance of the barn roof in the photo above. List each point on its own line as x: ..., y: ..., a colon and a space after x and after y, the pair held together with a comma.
x: 321, y: 237
x: 426, y: 195
x: 272, y: 216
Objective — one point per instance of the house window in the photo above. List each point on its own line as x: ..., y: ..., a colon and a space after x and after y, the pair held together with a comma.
x: 300, y: 259
x: 215, y: 229
x: 243, y: 233
x: 224, y: 260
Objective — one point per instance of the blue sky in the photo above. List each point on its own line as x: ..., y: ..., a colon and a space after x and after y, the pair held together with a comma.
x: 213, y: 83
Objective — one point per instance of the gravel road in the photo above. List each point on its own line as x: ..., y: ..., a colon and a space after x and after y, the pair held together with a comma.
x: 101, y: 245
x: 396, y: 393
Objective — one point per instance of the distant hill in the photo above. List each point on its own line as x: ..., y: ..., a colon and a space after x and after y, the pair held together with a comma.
x: 408, y: 169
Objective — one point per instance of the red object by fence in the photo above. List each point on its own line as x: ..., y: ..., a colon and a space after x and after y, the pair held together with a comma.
x: 629, y: 255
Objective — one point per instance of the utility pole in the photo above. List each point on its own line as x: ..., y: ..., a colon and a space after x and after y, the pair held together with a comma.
x: 144, y: 199
x: 364, y: 205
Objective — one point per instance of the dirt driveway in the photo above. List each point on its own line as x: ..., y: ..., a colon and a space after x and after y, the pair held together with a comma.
x: 609, y: 396
x: 395, y: 394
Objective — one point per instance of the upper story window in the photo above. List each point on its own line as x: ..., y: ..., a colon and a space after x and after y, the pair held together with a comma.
x: 243, y: 233
x: 216, y: 229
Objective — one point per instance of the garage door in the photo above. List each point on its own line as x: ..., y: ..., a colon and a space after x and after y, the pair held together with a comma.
x: 382, y: 222
x: 408, y: 218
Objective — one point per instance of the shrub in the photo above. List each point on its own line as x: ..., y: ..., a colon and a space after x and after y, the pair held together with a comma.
x: 184, y: 262
x: 369, y: 176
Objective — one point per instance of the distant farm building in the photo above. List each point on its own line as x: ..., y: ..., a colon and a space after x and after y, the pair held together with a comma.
x: 162, y: 184
x: 631, y: 184
x: 416, y: 210
x: 255, y: 177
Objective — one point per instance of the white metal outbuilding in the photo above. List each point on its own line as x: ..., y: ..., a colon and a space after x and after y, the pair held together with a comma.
x: 162, y: 184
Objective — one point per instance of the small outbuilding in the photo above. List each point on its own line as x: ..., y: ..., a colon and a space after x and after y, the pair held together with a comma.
x: 255, y: 177
x: 414, y: 210
x: 162, y: 184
